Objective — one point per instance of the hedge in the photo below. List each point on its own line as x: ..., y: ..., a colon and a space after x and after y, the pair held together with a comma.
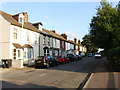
x: 114, y: 58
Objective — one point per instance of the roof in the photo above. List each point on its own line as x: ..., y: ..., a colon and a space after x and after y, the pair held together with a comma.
x: 17, y: 45
x: 54, y: 34
x: 46, y: 32
x: 27, y: 46
x: 13, y: 21
x: 38, y: 23
x: 71, y: 41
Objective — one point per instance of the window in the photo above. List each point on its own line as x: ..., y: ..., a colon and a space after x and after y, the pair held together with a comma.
x: 25, y: 54
x: 14, y: 53
x: 35, y: 42
x: 48, y: 41
x: 18, y: 53
x: 46, y: 52
x: 27, y: 36
x: 55, y: 43
x: 29, y: 53
x: 21, y: 20
x: 62, y: 44
x: 15, y: 33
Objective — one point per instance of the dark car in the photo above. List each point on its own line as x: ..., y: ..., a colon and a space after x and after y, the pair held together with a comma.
x: 45, y: 61
x: 79, y: 57
x: 71, y: 57
x: 90, y: 54
x: 76, y: 57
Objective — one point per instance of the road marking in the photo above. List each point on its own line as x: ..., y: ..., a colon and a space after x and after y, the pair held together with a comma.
x: 42, y: 74
x: 85, y: 86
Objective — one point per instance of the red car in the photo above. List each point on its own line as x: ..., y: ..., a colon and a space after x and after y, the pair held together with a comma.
x: 62, y: 59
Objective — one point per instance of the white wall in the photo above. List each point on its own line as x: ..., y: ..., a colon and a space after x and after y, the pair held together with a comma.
x: 57, y: 43
x: 4, y: 38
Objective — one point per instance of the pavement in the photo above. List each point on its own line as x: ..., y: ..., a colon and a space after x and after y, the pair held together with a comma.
x: 103, y: 78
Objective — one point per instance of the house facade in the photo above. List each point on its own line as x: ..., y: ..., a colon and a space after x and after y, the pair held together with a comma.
x: 20, y: 40
x: 23, y: 41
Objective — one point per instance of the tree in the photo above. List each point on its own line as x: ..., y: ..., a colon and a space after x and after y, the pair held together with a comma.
x: 103, y: 25
x: 88, y: 44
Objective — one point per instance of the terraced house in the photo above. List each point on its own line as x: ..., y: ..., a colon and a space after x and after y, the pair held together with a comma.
x: 20, y: 39
x: 23, y: 41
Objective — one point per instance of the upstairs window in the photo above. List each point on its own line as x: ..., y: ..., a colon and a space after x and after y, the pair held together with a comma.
x: 48, y: 41
x: 62, y: 44
x: 15, y: 33
x: 21, y: 20
x: 55, y: 43
x: 27, y: 36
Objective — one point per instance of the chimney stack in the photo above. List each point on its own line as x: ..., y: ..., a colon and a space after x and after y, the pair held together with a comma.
x: 78, y: 41
x: 64, y: 35
x: 75, y: 40
x: 25, y: 16
x: 53, y: 31
x: 38, y: 25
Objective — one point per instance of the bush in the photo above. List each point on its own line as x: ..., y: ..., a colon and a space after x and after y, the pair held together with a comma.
x: 114, y: 58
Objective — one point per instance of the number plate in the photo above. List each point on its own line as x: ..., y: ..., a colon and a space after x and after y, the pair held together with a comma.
x: 38, y: 61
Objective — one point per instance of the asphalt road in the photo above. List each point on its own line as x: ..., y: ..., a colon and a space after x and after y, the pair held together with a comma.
x: 68, y: 75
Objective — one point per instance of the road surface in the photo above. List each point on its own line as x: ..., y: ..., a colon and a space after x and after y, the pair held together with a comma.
x: 68, y: 75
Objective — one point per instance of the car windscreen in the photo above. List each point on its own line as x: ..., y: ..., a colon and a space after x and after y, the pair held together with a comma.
x: 58, y: 56
x: 40, y: 58
x: 49, y: 58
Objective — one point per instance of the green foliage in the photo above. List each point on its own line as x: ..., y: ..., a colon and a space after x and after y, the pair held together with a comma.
x: 104, y: 29
x: 114, y: 58
x: 105, y: 32
x: 89, y: 45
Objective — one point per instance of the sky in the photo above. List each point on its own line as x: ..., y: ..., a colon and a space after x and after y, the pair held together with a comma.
x: 72, y: 18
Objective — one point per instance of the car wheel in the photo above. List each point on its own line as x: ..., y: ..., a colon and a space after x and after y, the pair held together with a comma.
x: 57, y: 64
x: 63, y: 62
x: 47, y: 65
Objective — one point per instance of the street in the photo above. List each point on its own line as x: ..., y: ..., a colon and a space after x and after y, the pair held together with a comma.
x: 68, y: 75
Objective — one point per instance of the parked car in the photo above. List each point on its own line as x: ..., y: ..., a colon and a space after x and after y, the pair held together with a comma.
x: 98, y: 55
x: 83, y: 54
x: 75, y: 57
x: 79, y: 57
x: 66, y: 59
x: 62, y: 59
x: 45, y: 61
x: 71, y: 57
x: 59, y: 58
x: 90, y: 54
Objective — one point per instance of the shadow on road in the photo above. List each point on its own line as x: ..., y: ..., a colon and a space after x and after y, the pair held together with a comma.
x: 86, y: 65
x: 11, y: 86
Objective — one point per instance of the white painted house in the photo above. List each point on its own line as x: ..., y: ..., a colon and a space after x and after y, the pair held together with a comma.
x: 19, y: 38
